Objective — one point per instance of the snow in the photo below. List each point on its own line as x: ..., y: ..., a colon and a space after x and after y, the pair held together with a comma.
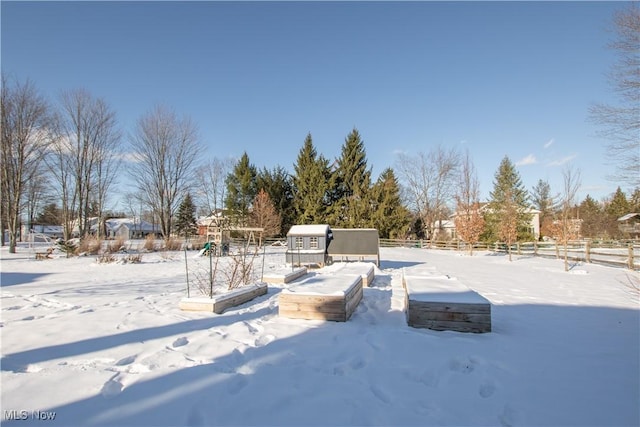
x: 324, y: 285
x: 308, y: 230
x: 441, y: 289
x: 105, y: 344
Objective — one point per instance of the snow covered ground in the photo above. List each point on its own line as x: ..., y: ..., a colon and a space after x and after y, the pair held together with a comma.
x: 105, y: 344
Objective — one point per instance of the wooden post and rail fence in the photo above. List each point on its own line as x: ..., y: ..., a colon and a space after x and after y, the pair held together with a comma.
x: 615, y: 253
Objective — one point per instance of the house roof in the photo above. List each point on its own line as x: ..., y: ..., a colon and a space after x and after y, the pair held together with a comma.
x: 628, y: 216
x: 309, y: 230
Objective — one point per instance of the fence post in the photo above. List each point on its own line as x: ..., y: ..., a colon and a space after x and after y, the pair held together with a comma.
x: 587, y: 251
x: 631, y: 263
x: 557, y: 251
x: 518, y: 248
x: 535, y: 247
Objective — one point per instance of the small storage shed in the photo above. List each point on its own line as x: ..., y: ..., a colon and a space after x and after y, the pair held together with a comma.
x: 308, y: 244
x: 355, y: 244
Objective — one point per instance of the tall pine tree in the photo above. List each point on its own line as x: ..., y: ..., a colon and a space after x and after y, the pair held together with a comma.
x: 310, y: 185
x: 352, y: 202
x: 241, y: 189
x: 508, y: 198
x: 278, y: 184
x: 547, y: 205
x: 593, y: 224
x: 185, y: 223
x: 390, y: 216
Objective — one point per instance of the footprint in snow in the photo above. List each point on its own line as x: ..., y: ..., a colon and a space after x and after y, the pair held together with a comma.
x: 254, y: 329
x: 264, y: 340
x: 180, y: 342
x: 126, y: 360
x: 380, y: 394
x: 486, y: 389
x: 111, y: 389
x: 28, y: 318
x: 462, y: 366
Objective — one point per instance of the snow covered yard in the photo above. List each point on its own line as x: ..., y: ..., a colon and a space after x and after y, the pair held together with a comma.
x: 106, y: 344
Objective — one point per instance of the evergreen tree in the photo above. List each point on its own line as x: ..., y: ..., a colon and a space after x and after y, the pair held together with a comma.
x: 310, y: 185
x: 278, y: 185
x: 634, y: 201
x: 593, y: 224
x: 547, y: 205
x: 50, y: 215
x: 509, y: 197
x: 619, y: 204
x: 390, y: 216
x: 351, y: 207
x: 241, y: 189
x: 185, y: 222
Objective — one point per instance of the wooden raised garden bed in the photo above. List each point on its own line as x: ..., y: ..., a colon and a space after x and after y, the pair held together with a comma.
x: 282, y: 278
x: 220, y: 303
x: 366, y: 270
x: 443, y: 304
x: 322, y: 297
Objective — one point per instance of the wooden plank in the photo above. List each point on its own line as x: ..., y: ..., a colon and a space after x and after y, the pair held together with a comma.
x: 352, y: 304
x: 441, y: 325
x: 449, y: 307
x: 420, y: 316
x: 313, y: 315
x: 285, y: 278
x: 221, y: 305
x: 310, y: 299
x: 324, y: 308
x: 222, y: 302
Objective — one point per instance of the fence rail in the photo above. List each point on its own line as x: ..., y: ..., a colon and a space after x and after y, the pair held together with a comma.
x: 613, y: 253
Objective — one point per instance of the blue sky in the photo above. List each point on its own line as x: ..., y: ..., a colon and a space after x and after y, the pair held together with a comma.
x: 496, y: 78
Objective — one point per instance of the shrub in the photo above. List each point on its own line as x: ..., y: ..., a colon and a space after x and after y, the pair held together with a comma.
x: 173, y: 244
x: 90, y: 245
x: 106, y: 258
x: 149, y: 243
x: 132, y: 259
x: 116, y: 245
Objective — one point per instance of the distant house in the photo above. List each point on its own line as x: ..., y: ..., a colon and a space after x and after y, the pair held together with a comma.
x: 629, y: 224
x: 308, y: 244
x: 125, y: 228
x: 447, y: 228
x: 51, y: 231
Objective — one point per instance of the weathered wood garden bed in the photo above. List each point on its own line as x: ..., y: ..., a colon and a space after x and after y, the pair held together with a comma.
x: 284, y: 277
x: 444, y: 304
x: 322, y: 297
x: 366, y: 270
x: 219, y: 303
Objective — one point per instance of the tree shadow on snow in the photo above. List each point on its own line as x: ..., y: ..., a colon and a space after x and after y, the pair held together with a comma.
x: 354, y: 373
x: 18, y: 362
x: 9, y: 278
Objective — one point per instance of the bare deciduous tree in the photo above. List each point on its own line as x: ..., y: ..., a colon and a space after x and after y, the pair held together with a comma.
x: 25, y: 123
x: 564, y: 228
x: 211, y: 184
x: 84, y: 157
x: 469, y: 221
x: 620, y: 124
x: 430, y: 180
x: 264, y: 215
x: 165, y: 150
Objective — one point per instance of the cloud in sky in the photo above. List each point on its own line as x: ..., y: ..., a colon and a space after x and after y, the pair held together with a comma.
x: 563, y: 160
x: 549, y: 143
x: 528, y: 160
